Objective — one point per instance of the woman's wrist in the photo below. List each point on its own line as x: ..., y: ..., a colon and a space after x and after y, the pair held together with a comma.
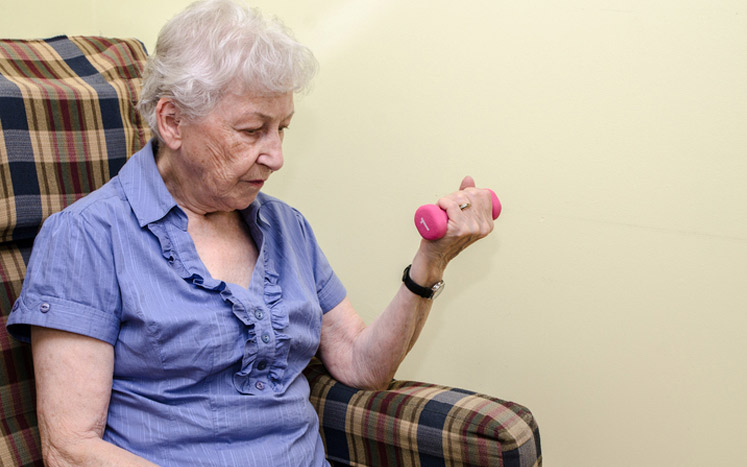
x: 425, y: 271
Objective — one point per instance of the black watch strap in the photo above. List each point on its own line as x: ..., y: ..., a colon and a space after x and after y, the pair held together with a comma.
x: 425, y: 292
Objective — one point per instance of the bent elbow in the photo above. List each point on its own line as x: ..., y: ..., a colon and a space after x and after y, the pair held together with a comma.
x: 56, y: 457
x: 65, y: 450
x: 377, y: 387
x: 371, y: 382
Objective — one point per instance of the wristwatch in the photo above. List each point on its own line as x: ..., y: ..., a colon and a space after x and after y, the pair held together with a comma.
x: 426, y: 292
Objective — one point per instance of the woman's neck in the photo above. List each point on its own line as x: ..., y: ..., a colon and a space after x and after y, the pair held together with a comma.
x: 180, y: 186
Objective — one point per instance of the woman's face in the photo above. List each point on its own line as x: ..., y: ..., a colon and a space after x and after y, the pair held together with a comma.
x: 229, y: 154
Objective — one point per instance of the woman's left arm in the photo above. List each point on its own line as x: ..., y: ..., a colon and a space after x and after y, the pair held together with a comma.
x: 368, y: 356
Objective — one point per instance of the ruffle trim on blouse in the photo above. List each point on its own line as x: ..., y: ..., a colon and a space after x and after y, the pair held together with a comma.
x: 245, y: 380
x: 242, y: 378
x: 273, y: 294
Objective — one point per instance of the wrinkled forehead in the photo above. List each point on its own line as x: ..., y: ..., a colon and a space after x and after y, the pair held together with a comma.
x: 271, y: 107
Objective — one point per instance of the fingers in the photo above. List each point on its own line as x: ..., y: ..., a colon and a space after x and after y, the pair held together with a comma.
x: 469, y: 211
x: 468, y: 195
x: 467, y: 182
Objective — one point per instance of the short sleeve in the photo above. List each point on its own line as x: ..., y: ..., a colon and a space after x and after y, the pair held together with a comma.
x: 70, y: 282
x: 329, y: 288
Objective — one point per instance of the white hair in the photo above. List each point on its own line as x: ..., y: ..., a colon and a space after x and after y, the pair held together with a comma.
x: 214, y: 45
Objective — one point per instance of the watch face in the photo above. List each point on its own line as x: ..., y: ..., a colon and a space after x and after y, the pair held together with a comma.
x: 437, y: 289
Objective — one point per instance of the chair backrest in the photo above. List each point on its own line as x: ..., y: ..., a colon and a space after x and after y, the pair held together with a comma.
x: 67, y: 125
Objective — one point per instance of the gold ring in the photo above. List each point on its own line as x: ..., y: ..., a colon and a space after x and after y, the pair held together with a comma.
x: 464, y: 206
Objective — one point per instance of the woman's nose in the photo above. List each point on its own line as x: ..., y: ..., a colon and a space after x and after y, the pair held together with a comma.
x: 272, y: 151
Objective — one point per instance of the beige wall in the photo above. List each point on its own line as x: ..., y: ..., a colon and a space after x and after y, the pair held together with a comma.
x: 611, y: 298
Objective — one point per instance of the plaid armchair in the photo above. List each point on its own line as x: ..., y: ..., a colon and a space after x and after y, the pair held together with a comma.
x: 67, y: 125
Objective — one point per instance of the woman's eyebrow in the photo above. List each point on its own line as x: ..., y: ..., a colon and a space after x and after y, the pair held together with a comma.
x: 263, y: 116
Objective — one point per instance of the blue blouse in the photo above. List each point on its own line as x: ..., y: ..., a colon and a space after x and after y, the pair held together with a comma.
x: 205, y: 372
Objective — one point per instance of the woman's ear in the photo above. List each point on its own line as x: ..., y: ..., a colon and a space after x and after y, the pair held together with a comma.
x: 168, y: 118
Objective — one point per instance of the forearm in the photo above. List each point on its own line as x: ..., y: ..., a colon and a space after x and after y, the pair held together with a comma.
x: 378, y: 349
x: 383, y: 345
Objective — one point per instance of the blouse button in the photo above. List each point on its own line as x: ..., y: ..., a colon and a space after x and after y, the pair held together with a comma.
x: 259, y: 314
x: 266, y: 338
x: 44, y: 307
x: 259, y: 385
x: 262, y: 365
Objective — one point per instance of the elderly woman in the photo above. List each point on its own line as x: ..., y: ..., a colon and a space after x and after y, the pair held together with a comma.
x: 173, y: 310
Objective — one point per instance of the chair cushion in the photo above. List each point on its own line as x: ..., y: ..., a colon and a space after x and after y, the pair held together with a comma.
x: 67, y: 124
x: 414, y: 423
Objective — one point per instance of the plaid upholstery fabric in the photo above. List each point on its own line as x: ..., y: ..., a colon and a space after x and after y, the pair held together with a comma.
x: 67, y: 125
x: 19, y: 437
x: 417, y: 424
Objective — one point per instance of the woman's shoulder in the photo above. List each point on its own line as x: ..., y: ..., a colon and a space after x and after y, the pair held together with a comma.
x: 270, y: 205
x: 104, y: 204
x: 279, y: 215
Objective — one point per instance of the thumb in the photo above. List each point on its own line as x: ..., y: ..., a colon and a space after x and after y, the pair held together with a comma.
x: 468, y: 182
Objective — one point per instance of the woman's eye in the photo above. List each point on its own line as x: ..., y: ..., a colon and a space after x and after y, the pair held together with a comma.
x: 252, y: 133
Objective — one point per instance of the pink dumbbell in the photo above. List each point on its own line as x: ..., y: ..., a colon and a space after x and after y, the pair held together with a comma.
x: 431, y: 221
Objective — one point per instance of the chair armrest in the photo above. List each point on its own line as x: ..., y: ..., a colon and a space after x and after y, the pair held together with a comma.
x: 414, y: 423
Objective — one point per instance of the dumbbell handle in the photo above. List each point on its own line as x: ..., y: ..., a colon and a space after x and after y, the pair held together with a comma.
x: 431, y: 221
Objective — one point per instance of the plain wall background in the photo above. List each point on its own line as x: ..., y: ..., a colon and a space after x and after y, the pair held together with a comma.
x: 612, y: 297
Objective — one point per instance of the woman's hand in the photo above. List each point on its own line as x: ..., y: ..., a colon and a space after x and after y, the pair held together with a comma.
x: 465, y: 227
